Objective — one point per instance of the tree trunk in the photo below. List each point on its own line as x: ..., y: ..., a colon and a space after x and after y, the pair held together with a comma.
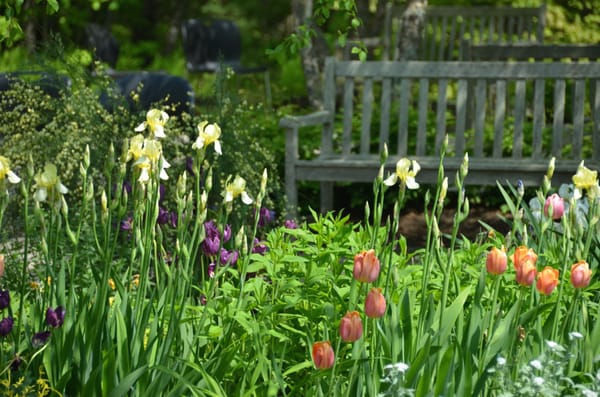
x: 411, y: 30
x: 313, y: 54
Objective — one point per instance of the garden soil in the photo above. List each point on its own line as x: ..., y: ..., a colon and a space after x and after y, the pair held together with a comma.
x: 414, y: 229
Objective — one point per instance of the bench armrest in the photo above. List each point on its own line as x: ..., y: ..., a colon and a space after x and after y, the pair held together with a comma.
x: 315, y: 118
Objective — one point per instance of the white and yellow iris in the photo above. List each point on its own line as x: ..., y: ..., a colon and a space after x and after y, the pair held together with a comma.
x: 237, y: 188
x: 6, y: 172
x: 155, y: 122
x: 48, y: 185
x: 207, y: 134
x: 147, y: 155
x: 406, y: 171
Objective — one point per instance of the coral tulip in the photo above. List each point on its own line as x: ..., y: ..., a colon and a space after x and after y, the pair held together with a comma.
x: 366, y: 266
x: 547, y: 280
x: 524, y: 260
x: 580, y: 274
x: 523, y: 254
x: 557, y: 204
x: 323, y: 355
x: 351, y: 327
x: 375, y: 303
x: 496, y: 261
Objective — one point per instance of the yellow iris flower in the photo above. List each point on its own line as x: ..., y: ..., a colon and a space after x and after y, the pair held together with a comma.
x: 586, y: 179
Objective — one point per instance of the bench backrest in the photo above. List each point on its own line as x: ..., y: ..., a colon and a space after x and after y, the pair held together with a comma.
x: 447, y: 26
x: 491, y: 110
x: 530, y: 51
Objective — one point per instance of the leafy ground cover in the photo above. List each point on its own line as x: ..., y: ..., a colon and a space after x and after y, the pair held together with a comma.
x: 188, y: 285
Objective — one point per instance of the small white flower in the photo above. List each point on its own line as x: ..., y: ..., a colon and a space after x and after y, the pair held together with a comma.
x: 554, y: 346
x: 501, y: 361
x: 575, y: 335
x: 400, y: 367
x: 538, y: 381
x: 536, y: 364
x: 589, y: 393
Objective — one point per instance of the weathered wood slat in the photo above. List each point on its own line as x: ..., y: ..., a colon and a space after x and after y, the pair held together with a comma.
x: 384, y: 123
x: 525, y: 51
x: 519, y: 116
x: 440, y: 119
x: 538, y: 117
x: 559, y: 116
x: 423, y: 111
x: 578, y: 115
x: 499, y: 116
x: 348, y: 116
x: 403, y: 116
x: 367, y: 106
x: 462, y: 69
x: 480, y: 95
x: 461, y: 117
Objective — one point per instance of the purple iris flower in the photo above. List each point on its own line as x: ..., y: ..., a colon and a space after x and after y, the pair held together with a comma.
x: 164, y: 216
x: 127, y: 188
x: 127, y: 224
x: 212, y: 240
x: 290, y: 224
x: 227, y: 233
x: 211, y: 270
x: 40, y: 339
x: 228, y: 257
x: 259, y: 247
x: 55, y: 317
x: 265, y: 216
x: 6, y: 325
x: 4, y: 299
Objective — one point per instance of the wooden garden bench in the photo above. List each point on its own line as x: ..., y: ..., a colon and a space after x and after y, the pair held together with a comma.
x: 446, y: 27
x: 537, y: 111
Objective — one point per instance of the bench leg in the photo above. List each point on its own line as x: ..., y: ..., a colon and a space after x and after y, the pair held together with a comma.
x: 326, y: 197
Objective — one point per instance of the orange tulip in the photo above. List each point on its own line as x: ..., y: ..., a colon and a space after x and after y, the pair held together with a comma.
x: 580, y: 274
x: 366, y: 266
x: 547, y: 280
x: 323, y: 355
x: 523, y: 254
x: 496, y: 261
x: 375, y: 303
x: 351, y: 327
x: 524, y: 260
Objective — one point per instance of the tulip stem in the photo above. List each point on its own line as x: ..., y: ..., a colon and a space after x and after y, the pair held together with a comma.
x: 490, y: 320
